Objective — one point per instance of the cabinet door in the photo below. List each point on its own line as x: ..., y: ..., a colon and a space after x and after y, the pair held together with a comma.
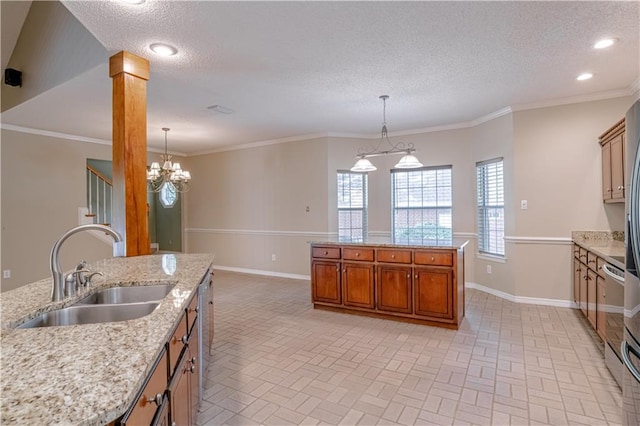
x: 576, y: 281
x: 194, y: 366
x: 601, y: 313
x: 433, y: 292
x: 357, y: 285
x: 211, y: 312
x: 179, y: 394
x: 591, y: 297
x: 606, y: 171
x: 325, y: 282
x: 617, y: 168
x: 583, y: 289
x: 393, y: 289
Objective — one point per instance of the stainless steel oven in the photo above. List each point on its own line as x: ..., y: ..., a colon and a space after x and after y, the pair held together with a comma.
x: 614, y: 309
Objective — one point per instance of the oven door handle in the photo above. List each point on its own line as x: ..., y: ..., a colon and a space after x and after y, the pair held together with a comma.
x: 607, y: 271
x: 625, y: 348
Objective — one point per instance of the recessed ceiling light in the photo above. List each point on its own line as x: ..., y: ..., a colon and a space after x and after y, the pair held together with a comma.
x: 604, y: 43
x: 163, y: 49
x: 584, y: 76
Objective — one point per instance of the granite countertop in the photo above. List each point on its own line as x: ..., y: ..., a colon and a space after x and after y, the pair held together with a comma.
x: 88, y: 374
x: 603, y: 244
x: 456, y: 243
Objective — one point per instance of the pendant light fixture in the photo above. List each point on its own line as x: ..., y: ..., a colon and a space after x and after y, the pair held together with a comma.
x: 408, y: 161
x: 170, y: 174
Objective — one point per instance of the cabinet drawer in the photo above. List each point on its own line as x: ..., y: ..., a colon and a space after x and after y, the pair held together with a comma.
x: 599, y: 264
x: 583, y: 255
x: 145, y: 408
x: 357, y: 254
x: 192, y: 312
x: 394, y: 256
x: 435, y: 258
x: 177, y: 343
x: 326, y: 252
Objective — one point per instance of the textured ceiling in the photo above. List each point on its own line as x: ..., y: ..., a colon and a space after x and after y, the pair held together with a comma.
x: 295, y: 68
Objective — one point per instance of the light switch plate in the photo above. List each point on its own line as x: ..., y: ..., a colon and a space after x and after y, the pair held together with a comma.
x: 524, y: 205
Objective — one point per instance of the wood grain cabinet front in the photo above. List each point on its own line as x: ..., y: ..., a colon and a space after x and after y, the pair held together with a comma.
x: 325, y: 282
x: 151, y: 398
x: 419, y: 285
x: 433, y: 292
x: 394, y: 289
x: 357, y: 285
x: 612, y: 144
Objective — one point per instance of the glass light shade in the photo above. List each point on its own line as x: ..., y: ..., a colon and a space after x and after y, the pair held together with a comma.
x: 155, y: 166
x: 186, y: 176
x: 176, y: 166
x: 363, y: 165
x: 167, y: 165
x: 408, y: 162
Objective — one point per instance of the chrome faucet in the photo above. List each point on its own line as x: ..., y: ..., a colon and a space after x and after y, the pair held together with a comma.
x: 58, y: 287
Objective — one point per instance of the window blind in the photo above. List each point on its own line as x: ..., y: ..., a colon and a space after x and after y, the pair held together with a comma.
x: 490, y: 189
x: 352, y: 206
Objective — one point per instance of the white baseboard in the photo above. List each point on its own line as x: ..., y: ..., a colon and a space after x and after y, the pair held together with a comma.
x: 521, y: 299
x: 261, y: 272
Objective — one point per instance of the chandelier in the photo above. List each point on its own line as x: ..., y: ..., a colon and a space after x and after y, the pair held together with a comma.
x: 408, y: 161
x: 170, y: 174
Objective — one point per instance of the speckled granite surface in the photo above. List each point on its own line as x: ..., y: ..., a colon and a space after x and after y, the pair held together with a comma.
x: 456, y: 243
x: 88, y: 374
x: 603, y: 243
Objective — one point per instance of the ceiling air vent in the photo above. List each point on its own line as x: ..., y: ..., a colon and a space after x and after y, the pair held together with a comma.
x: 219, y: 109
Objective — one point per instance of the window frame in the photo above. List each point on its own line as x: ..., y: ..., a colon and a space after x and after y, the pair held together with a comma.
x: 363, y: 209
x: 438, y: 229
x: 484, y: 228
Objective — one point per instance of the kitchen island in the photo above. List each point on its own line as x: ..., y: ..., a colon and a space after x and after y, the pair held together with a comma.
x: 417, y: 284
x: 93, y: 374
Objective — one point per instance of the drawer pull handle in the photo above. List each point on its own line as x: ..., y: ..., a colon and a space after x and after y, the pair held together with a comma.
x: 185, y: 340
x: 193, y: 360
x: 191, y: 369
x: 193, y: 310
x: 156, y: 400
x: 408, y: 275
x: 357, y: 254
x: 433, y: 259
x: 326, y: 253
x: 416, y: 276
x: 393, y: 256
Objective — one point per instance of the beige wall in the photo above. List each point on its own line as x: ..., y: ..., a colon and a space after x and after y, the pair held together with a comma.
x: 247, y: 205
x: 43, y: 184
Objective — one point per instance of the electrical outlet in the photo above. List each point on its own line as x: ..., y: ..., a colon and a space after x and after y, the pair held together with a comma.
x: 524, y: 205
x: 6, y: 273
x: 488, y: 269
x: 273, y: 257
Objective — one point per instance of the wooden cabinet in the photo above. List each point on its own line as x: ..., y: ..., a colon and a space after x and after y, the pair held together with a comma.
x: 433, y: 292
x: 601, y: 313
x: 394, y: 289
x: 589, y: 289
x: 151, y: 397
x: 171, y: 394
x: 403, y: 283
x: 325, y: 282
x: 612, y: 144
x: 591, y: 297
x: 357, y: 285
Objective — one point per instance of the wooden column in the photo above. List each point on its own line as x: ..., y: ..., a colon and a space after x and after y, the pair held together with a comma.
x: 129, y: 206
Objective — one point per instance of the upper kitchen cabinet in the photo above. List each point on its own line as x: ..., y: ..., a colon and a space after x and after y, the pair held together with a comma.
x: 612, y: 143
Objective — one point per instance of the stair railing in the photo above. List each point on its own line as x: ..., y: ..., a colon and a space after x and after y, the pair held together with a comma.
x: 99, y: 193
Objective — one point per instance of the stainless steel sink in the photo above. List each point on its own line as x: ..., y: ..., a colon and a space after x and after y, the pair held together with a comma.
x: 91, y: 314
x: 144, y: 293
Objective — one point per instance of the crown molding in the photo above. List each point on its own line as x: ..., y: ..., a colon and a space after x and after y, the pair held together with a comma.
x: 67, y: 136
x: 632, y: 90
x: 262, y: 143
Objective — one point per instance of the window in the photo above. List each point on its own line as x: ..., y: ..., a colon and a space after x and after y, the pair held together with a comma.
x: 168, y: 195
x: 421, y: 203
x: 490, y: 207
x: 352, y: 206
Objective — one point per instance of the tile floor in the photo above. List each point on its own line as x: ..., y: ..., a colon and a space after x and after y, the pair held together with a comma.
x: 277, y: 361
